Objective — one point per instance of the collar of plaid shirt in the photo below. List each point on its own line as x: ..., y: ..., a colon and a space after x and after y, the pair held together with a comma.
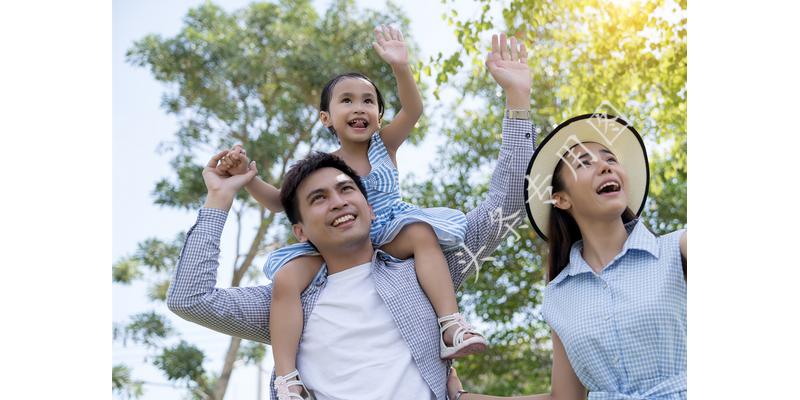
x: 639, y: 238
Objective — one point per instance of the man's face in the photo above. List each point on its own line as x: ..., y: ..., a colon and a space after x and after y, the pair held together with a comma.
x: 333, y: 212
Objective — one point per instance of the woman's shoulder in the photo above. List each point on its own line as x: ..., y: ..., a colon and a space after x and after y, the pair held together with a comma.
x: 672, y: 238
x: 664, y: 240
x: 671, y: 254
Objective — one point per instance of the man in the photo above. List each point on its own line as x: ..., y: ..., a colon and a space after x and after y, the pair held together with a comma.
x: 389, y: 349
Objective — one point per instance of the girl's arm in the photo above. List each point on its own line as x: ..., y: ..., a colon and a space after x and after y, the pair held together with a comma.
x: 235, y: 163
x: 564, y: 384
x: 265, y: 194
x: 391, y: 47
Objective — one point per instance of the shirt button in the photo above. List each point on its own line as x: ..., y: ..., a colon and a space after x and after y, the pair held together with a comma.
x: 616, y: 359
x: 605, y: 285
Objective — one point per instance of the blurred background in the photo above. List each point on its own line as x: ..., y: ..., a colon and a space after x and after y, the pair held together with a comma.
x: 192, y: 77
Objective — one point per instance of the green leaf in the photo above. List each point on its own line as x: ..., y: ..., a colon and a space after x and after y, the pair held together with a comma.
x: 123, y: 385
x: 252, y: 353
x: 182, y: 362
x: 147, y: 328
x: 158, y: 291
x: 126, y: 270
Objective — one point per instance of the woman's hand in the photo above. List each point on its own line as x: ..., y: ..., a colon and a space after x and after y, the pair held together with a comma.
x: 453, y: 384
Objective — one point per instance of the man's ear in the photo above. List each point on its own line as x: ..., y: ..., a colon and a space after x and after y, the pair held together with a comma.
x: 325, y: 118
x: 297, y: 229
x: 561, y: 200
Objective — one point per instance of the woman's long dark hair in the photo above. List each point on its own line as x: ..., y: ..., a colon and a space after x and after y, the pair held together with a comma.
x: 563, y: 231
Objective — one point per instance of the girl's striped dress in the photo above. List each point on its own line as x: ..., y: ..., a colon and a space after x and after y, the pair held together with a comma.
x: 392, y: 213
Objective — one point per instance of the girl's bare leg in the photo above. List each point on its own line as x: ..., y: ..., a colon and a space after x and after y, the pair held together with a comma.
x: 420, y: 241
x: 286, y: 311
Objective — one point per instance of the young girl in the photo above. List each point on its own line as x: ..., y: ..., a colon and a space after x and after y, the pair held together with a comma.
x: 616, y: 297
x: 351, y: 107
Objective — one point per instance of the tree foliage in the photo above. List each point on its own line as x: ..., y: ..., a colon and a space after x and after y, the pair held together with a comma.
x: 586, y: 56
x: 123, y: 385
x: 148, y: 328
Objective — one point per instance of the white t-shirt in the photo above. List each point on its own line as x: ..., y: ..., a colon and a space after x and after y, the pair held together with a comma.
x: 352, y: 348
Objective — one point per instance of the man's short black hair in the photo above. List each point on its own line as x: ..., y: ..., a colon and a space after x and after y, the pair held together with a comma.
x: 301, y: 170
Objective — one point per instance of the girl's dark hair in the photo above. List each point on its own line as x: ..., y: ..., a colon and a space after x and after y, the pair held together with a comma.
x: 563, y: 231
x: 327, y: 92
x: 301, y: 170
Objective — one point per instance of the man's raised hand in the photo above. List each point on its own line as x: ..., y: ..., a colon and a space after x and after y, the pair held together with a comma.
x: 508, y: 65
x: 222, y: 187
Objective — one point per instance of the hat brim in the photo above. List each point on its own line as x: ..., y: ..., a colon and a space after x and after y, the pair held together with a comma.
x: 608, y: 130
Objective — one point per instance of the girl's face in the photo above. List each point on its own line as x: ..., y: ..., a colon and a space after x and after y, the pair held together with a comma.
x: 354, y: 112
x: 594, y: 183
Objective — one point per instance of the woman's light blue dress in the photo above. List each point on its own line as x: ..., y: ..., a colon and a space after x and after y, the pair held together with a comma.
x: 624, y: 328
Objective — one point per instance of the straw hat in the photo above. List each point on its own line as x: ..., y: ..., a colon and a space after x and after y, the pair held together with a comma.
x: 610, y: 131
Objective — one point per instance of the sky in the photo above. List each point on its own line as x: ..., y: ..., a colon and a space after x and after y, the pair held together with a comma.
x: 139, y: 125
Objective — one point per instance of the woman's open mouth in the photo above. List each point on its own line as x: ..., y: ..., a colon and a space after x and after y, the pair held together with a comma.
x: 609, y: 187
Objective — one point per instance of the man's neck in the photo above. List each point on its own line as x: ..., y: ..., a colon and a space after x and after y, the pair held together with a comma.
x: 346, y: 257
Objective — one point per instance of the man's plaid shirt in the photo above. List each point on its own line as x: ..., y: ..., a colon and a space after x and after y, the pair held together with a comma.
x: 244, y: 311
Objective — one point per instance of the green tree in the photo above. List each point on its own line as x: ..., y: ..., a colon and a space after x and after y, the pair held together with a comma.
x: 122, y: 384
x: 252, y: 76
x: 586, y: 56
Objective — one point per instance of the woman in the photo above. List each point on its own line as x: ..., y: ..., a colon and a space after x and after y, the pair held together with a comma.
x: 616, y: 297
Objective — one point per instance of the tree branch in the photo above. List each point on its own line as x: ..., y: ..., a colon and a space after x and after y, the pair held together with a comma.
x: 239, y: 272
x: 238, y: 234
x: 230, y: 358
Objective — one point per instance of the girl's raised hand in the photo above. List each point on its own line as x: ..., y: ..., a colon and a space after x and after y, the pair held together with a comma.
x: 508, y: 64
x: 390, y: 45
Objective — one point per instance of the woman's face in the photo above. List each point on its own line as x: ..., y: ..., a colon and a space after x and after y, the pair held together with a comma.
x: 594, y: 183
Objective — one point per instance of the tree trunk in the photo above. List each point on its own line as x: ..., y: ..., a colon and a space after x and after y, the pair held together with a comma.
x: 238, y: 274
x: 227, y: 369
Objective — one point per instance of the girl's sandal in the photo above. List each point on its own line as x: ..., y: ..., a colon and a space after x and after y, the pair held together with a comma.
x: 460, y: 347
x: 282, y: 384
